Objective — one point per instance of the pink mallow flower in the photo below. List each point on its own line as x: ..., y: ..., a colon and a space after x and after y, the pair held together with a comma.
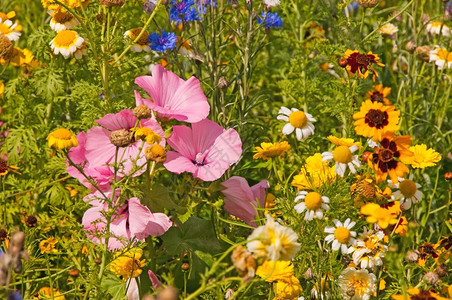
x: 130, y: 221
x: 240, y: 199
x: 172, y: 97
x: 101, y: 175
x: 206, y: 150
x: 99, y: 150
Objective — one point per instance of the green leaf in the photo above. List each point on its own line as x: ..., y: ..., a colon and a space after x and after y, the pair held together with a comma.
x: 115, y: 287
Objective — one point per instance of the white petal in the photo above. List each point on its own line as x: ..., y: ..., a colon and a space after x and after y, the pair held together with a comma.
x: 288, y: 129
x: 336, y: 245
x: 298, y: 133
x: 283, y: 117
x: 284, y: 110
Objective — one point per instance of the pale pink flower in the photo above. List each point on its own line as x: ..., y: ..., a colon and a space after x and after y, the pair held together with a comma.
x: 99, y: 151
x: 172, y: 97
x: 240, y: 199
x: 101, y: 175
x: 130, y: 221
x: 206, y: 150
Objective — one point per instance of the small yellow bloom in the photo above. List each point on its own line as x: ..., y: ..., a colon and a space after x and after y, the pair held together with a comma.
x: 48, y: 246
x: 2, y: 88
x: 85, y: 250
x: 275, y: 270
x: 62, y: 139
x: 46, y: 293
x: 343, y: 141
x: 288, y: 288
x: 314, y: 173
x: 376, y: 213
x: 128, y: 264
x: 424, y: 157
x: 155, y: 153
x: 148, y: 135
x: 269, y: 150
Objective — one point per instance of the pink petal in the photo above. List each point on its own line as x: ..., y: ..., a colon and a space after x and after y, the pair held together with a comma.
x: 259, y: 191
x: 122, y: 120
x: 211, y: 171
x: 227, y: 147
x: 173, y: 97
x: 178, y: 163
x: 205, y: 133
x: 158, y: 224
x: 139, y: 220
x: 181, y: 140
x: 154, y: 280
x: 99, y: 149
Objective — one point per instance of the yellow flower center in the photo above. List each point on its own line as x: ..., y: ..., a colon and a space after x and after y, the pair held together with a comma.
x: 370, y: 243
x: 359, y: 285
x: 342, y: 235
x: 342, y: 154
x: 4, y: 29
x: 298, y: 119
x: 408, y: 188
x: 65, y: 38
x: 143, y: 40
x: 62, y: 134
x: 313, y: 201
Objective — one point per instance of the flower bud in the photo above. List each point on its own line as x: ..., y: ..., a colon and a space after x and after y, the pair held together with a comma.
x: 367, y: 3
x: 74, y: 273
x: 412, y: 256
x: 410, y: 46
x: 149, y: 6
x: 31, y: 221
x: 309, y: 274
x: 431, y: 278
x: 448, y: 176
x: 342, y: 62
x: 120, y: 138
x: 110, y: 3
x: 423, y: 53
x: 442, y: 270
x: 223, y: 83
x: 155, y: 153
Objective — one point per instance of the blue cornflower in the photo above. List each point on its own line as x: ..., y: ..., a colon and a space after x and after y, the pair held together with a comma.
x: 162, y: 42
x: 183, y: 11
x: 15, y: 296
x: 270, y: 20
x: 351, y: 6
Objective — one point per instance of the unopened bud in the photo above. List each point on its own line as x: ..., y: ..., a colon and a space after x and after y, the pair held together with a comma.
x: 448, y: 176
x: 74, y: 273
x: 110, y: 3
x: 309, y: 274
x: 31, y: 221
x: 367, y: 3
x: 431, y: 278
x: 120, y: 138
x: 423, y: 53
x: 410, y: 46
x: 342, y: 62
x: 155, y: 153
x: 185, y: 266
x: 142, y: 112
x: 98, y: 261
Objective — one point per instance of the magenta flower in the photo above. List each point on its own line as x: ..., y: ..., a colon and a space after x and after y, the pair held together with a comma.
x: 240, y: 199
x: 131, y: 221
x: 101, y: 175
x: 206, y: 150
x: 99, y: 150
x: 172, y: 97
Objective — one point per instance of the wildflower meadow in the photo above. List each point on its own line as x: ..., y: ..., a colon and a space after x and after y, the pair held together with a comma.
x: 225, y: 149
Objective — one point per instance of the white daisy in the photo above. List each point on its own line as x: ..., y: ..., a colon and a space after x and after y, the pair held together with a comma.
x: 441, y: 57
x: 438, y: 28
x: 408, y: 192
x: 388, y: 29
x: 369, y: 249
x: 298, y: 121
x: 62, y: 21
x: 66, y: 42
x: 341, y: 235
x: 357, y: 284
x: 271, y: 3
x: 343, y: 157
x: 9, y: 29
x: 313, y: 204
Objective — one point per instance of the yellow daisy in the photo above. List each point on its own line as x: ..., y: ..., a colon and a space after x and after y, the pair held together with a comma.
x: 66, y: 42
x: 438, y: 28
x: 275, y: 270
x: 19, y: 58
x: 7, y: 16
x: 343, y: 141
x: 361, y: 63
x: 62, y: 139
x: 424, y: 157
x: 142, y: 43
x: 46, y: 293
x: 314, y: 173
x: 269, y: 150
x: 48, y: 246
x: 128, y: 264
x: 374, y: 119
x: 378, y: 94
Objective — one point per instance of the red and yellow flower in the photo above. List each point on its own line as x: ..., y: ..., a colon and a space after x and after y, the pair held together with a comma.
x: 361, y: 63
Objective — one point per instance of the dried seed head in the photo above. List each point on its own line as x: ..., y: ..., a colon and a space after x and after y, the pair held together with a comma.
x: 110, y: 3
x: 367, y: 3
x: 423, y: 53
x: 442, y: 270
x: 149, y: 6
x: 309, y: 274
x: 31, y: 221
x: 120, y: 138
x: 410, y: 46
x: 431, y: 278
x: 223, y: 82
x: 412, y: 256
x: 6, y: 48
x: 142, y: 112
x: 244, y: 263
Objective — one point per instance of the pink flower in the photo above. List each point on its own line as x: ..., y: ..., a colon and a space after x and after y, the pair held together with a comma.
x: 101, y: 175
x: 240, y: 199
x: 172, y: 97
x: 131, y: 220
x: 154, y: 280
x: 206, y: 150
x: 99, y: 150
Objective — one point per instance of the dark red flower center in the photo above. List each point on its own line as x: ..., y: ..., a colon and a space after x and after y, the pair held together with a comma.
x: 363, y: 59
x: 377, y: 97
x: 423, y: 295
x: 385, y: 156
x: 376, y: 118
x: 3, y: 166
